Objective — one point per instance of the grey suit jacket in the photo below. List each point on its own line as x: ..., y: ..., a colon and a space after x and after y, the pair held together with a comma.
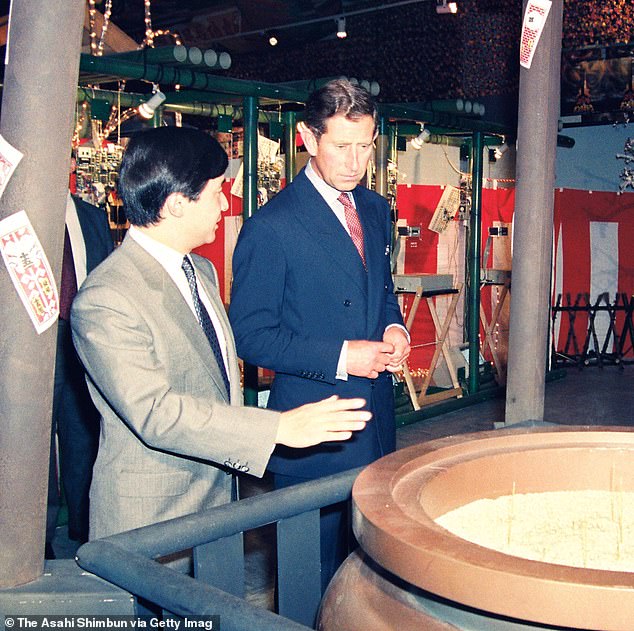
x: 169, y: 437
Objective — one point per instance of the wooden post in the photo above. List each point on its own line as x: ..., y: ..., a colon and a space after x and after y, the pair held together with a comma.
x: 38, y: 100
x: 533, y: 230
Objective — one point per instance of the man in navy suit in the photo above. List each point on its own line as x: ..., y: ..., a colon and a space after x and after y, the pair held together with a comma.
x: 313, y: 299
x: 75, y: 419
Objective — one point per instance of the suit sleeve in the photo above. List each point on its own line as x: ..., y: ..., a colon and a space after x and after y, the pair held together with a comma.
x: 255, y: 311
x: 140, y: 379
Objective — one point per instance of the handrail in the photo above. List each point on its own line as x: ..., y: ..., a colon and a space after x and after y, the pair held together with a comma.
x: 127, y: 559
x: 174, y: 592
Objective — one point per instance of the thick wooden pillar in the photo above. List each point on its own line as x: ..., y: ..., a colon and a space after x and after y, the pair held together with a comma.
x: 533, y: 225
x: 40, y: 85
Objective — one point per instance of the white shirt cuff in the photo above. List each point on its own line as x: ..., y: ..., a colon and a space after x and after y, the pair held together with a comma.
x: 342, y: 364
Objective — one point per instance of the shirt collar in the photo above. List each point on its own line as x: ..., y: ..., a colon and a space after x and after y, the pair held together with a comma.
x: 329, y: 193
x: 166, y: 256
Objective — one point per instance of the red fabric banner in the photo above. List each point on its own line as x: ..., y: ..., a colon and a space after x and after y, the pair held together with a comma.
x: 579, y: 216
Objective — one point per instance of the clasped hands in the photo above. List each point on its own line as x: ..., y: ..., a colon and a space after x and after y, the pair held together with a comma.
x: 368, y: 359
x: 336, y: 419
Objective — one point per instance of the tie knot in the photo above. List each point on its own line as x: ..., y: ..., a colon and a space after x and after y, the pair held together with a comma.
x: 345, y: 200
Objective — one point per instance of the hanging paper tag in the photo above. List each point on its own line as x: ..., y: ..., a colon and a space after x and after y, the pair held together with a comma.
x: 238, y: 182
x: 534, y: 21
x: 29, y: 270
x: 9, y: 158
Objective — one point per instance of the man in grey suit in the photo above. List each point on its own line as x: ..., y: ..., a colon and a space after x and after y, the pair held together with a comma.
x: 152, y: 333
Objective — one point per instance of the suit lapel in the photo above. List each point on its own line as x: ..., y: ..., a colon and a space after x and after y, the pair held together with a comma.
x: 326, y: 230
x: 211, y: 289
x: 374, y: 255
x: 163, y: 291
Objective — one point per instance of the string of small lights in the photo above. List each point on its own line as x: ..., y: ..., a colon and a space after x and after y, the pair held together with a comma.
x: 116, y: 118
x: 96, y: 48
x: 150, y: 33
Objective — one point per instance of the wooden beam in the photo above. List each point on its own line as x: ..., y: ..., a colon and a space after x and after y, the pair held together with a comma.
x: 116, y: 40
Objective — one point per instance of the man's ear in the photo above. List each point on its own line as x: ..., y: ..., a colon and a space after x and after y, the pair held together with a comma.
x: 174, y: 205
x: 309, y: 138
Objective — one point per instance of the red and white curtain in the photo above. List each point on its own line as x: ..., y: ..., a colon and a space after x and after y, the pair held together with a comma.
x: 593, y: 254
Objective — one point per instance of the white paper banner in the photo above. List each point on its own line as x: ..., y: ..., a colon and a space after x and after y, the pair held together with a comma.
x: 267, y: 151
x: 29, y: 270
x: 9, y: 159
x: 534, y: 21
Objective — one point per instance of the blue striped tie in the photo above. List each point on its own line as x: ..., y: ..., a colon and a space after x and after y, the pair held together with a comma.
x: 204, y: 319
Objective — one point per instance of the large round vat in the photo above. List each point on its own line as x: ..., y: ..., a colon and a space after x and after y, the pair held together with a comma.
x: 412, y: 574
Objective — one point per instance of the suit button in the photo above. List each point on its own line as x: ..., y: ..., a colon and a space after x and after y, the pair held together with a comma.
x: 347, y: 303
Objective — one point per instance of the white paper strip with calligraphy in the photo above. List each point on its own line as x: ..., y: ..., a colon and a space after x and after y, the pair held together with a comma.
x: 9, y: 159
x: 29, y: 270
x: 534, y: 21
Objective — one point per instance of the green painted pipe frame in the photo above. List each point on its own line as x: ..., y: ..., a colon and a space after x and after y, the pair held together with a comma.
x: 473, y: 264
x: 249, y: 207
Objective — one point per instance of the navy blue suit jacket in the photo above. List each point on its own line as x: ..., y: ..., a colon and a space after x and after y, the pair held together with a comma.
x: 75, y: 418
x: 96, y: 233
x: 300, y: 290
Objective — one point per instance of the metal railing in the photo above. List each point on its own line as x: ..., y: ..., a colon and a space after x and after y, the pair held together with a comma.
x: 128, y: 560
x: 593, y: 333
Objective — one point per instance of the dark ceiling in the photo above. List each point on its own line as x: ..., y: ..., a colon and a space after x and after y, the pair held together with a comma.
x: 414, y: 54
x: 207, y: 23
x: 204, y: 22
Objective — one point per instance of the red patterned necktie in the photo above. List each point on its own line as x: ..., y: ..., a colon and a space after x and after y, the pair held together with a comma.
x: 354, y: 225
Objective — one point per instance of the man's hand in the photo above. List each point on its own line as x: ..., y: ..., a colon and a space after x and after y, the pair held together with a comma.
x: 326, y: 420
x: 368, y: 359
x: 397, y: 338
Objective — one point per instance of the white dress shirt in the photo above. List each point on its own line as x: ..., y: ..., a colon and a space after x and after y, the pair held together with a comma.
x: 330, y: 195
x: 172, y: 261
x: 77, y: 243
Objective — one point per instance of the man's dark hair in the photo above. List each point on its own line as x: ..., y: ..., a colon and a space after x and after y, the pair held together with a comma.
x: 337, y: 97
x: 166, y: 160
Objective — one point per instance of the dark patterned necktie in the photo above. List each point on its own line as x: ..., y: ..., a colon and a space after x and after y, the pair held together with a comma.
x: 204, y: 319
x: 354, y: 225
x: 68, y: 285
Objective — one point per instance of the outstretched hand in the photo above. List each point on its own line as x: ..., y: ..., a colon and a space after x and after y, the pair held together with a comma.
x: 326, y: 420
